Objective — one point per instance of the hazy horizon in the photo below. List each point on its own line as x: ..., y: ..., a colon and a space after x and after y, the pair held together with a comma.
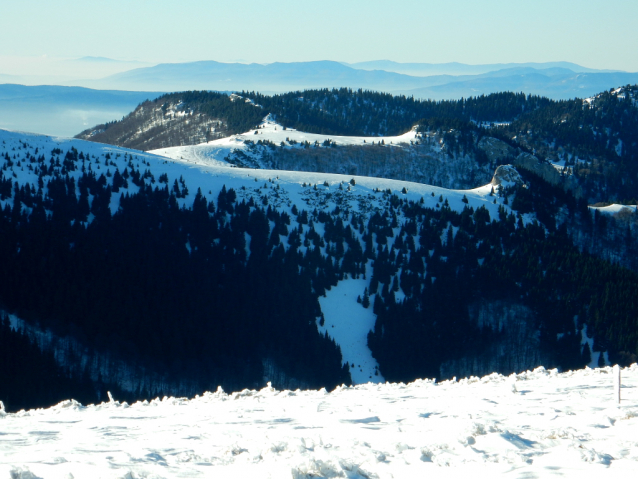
x: 44, y: 38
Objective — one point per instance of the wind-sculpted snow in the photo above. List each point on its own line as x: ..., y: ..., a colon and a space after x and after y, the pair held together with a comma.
x: 535, y: 424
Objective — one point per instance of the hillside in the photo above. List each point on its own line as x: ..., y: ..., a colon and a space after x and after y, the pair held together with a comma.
x: 229, y: 275
x: 177, y: 119
x: 595, y: 138
x: 586, y: 145
x: 423, y: 157
x: 341, y: 112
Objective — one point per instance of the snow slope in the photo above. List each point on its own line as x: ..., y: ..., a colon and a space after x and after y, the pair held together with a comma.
x: 348, y: 323
x: 615, y: 208
x: 215, y: 152
x: 281, y: 189
x: 534, y: 424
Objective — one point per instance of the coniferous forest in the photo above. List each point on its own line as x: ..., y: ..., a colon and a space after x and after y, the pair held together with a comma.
x: 206, y: 292
x: 594, y: 138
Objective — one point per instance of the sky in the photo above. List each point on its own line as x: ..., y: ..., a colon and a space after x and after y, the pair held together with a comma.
x: 592, y: 33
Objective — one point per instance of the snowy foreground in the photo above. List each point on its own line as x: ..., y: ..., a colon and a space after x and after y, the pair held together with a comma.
x: 535, y: 424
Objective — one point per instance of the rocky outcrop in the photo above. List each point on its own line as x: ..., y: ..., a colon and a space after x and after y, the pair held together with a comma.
x: 496, y: 150
x: 506, y: 176
x: 542, y: 169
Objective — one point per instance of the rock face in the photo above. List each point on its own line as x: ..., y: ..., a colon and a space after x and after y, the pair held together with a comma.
x: 506, y: 176
x: 542, y: 169
x: 499, y: 152
x: 496, y: 150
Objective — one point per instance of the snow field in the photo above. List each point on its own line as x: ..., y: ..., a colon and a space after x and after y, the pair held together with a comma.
x: 535, y: 424
x: 214, y: 152
x: 348, y: 323
x: 616, y: 208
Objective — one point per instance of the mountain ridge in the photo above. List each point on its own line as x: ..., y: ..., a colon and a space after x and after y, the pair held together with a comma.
x: 456, y: 68
x: 280, y: 77
x: 590, y: 162
x: 239, y: 256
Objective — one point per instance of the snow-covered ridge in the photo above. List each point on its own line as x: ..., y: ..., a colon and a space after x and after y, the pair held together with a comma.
x: 615, y: 208
x: 535, y: 424
x: 270, y: 132
x: 283, y: 190
x: 430, y: 157
x: 211, y: 176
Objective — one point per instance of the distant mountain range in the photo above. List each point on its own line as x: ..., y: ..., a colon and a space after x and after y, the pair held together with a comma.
x: 556, y: 80
x: 66, y: 110
x: 554, y: 83
x: 455, y: 68
x: 274, y: 77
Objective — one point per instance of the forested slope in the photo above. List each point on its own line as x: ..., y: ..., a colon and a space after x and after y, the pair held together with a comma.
x: 592, y: 140
x: 202, y: 275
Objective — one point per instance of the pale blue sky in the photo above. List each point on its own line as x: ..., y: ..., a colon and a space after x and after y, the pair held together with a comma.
x: 593, y: 33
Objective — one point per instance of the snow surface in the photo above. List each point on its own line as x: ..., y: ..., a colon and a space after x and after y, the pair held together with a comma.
x: 348, y: 323
x: 615, y: 208
x: 214, y: 152
x: 534, y: 424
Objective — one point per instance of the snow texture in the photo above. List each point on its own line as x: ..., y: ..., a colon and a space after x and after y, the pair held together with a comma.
x: 534, y: 424
x: 348, y: 323
x: 215, y: 152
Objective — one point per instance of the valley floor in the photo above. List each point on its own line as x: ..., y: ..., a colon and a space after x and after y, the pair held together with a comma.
x: 535, y: 424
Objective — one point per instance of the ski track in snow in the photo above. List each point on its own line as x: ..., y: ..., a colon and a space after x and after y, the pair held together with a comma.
x: 534, y: 424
